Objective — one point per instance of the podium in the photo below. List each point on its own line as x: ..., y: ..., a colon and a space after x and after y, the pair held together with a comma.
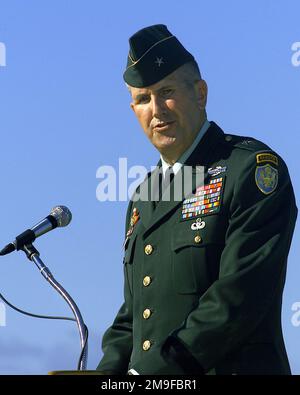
x: 79, y: 373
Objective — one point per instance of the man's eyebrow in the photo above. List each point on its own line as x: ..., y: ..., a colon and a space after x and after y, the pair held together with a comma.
x: 145, y: 94
x: 140, y: 95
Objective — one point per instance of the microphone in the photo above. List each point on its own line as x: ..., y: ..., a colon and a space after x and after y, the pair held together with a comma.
x: 59, y: 216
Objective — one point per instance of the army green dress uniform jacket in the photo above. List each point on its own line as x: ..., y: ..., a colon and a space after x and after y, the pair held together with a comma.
x: 208, y: 300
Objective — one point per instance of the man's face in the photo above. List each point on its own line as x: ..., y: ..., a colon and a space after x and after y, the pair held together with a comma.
x: 171, y: 112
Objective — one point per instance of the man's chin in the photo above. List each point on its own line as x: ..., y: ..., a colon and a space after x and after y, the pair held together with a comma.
x: 166, y: 143
x: 170, y: 151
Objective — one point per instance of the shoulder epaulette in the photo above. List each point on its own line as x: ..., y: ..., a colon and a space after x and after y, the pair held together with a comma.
x: 246, y: 143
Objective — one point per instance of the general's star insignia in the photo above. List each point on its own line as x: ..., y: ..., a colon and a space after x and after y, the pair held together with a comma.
x: 159, y: 61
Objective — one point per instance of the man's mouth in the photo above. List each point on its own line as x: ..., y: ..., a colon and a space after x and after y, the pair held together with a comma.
x: 161, y: 126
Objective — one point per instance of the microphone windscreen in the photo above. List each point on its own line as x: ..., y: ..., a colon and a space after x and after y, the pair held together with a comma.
x: 62, y: 215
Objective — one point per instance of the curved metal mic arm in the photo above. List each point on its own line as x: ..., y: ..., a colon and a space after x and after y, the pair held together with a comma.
x: 34, y: 256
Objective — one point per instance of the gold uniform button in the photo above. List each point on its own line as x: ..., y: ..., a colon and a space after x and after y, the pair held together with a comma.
x: 197, y: 239
x: 146, y: 345
x: 228, y: 138
x: 146, y: 281
x: 148, y: 249
x: 146, y: 313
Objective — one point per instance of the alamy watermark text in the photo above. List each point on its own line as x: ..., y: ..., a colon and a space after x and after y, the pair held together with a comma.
x: 2, y: 55
x: 296, y: 55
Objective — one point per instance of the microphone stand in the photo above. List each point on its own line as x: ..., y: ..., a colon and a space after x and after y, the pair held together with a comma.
x: 33, y: 255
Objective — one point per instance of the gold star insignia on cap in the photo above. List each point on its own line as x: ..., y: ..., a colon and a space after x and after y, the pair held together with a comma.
x: 159, y: 61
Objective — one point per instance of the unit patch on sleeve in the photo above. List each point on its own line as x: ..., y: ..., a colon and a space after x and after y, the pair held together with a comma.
x: 266, y: 178
x: 205, y: 201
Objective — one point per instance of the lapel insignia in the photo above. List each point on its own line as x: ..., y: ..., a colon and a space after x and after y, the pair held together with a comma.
x: 133, y: 220
x: 217, y: 170
x: 266, y: 178
x: 205, y: 201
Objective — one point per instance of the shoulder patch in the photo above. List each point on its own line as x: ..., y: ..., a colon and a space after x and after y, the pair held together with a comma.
x: 267, y: 157
x: 266, y: 178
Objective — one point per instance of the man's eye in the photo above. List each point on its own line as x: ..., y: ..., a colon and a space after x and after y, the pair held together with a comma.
x: 142, y: 99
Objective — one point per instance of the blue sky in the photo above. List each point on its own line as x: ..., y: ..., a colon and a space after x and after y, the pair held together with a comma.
x: 64, y: 111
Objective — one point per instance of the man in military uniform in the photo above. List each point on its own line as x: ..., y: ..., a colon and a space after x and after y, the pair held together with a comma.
x: 204, y: 275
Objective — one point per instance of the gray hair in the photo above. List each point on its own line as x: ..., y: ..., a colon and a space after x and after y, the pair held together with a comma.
x: 190, y: 72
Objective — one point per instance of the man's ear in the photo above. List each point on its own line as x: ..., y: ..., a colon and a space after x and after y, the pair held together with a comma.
x: 132, y: 106
x: 202, y: 89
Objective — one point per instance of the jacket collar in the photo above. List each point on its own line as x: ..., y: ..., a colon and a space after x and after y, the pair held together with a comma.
x: 201, y: 156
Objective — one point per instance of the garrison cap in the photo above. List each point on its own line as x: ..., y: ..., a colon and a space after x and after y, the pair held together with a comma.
x: 154, y: 53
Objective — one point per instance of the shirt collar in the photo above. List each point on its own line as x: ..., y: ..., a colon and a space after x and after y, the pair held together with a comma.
x: 177, y: 166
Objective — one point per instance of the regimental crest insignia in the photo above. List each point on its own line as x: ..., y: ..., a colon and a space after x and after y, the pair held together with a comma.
x: 266, y: 178
x: 133, y: 220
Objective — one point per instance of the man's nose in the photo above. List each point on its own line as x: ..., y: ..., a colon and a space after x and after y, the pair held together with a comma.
x: 158, y: 107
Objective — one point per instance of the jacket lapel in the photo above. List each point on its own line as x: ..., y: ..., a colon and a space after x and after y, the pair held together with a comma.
x: 145, y: 204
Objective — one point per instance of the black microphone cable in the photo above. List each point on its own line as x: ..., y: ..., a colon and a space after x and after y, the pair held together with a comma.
x: 59, y: 216
x: 49, y: 318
